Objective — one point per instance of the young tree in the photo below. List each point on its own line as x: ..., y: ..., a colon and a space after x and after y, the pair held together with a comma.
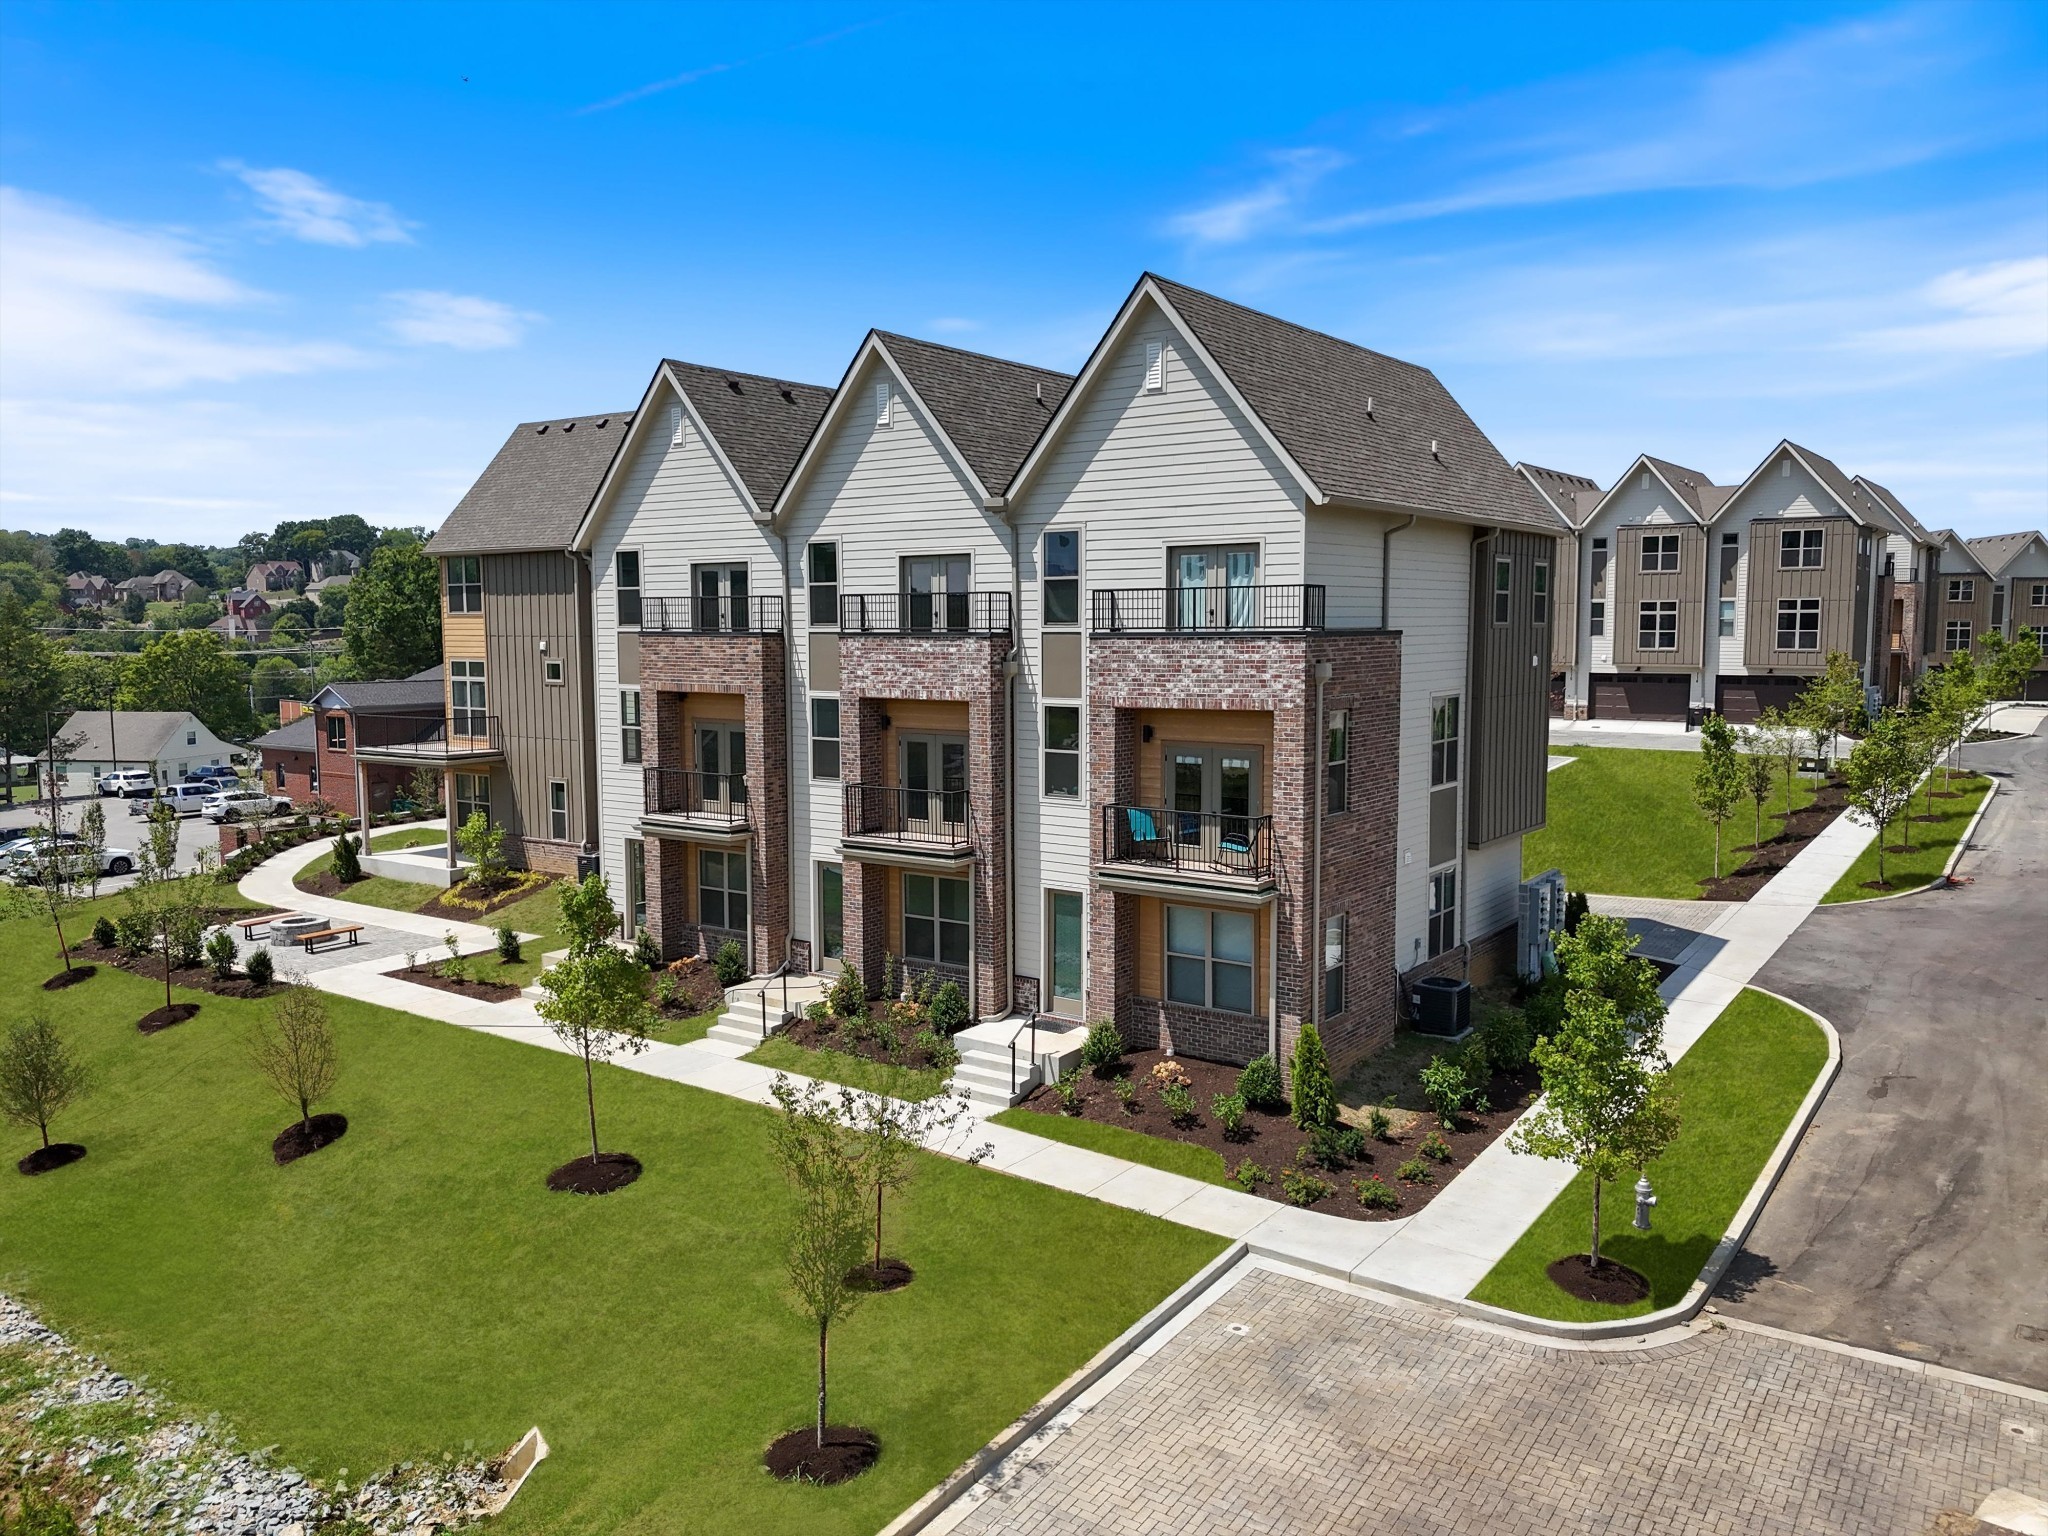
x: 1881, y: 773
x: 423, y: 786
x: 1598, y: 957
x: 1314, y: 1094
x: 891, y: 1132
x: 827, y: 1230
x: 1607, y: 1103
x: 1758, y: 772
x: 484, y: 846
x: 1956, y: 696
x: 588, y: 917
x: 1777, y: 736
x: 92, y: 837
x: 172, y: 906
x: 294, y: 1049
x: 1833, y: 702
x: 39, y: 1076
x: 596, y: 1003
x: 60, y: 873
x: 1717, y: 780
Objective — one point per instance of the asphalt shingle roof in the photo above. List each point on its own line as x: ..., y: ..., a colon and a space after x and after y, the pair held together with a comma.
x: 1560, y: 488
x: 420, y: 691
x: 1690, y: 484
x: 296, y: 737
x: 1998, y: 550
x: 761, y: 424
x: 1311, y: 391
x: 991, y: 408
x: 1893, y: 505
x: 536, y: 490
x: 141, y: 734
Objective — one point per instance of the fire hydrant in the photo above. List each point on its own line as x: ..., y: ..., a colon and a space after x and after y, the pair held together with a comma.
x: 1645, y: 1198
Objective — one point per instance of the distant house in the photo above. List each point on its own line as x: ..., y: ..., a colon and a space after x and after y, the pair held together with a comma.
x: 274, y: 576
x: 167, y: 743
x: 338, y: 583
x: 84, y: 590
x: 248, y: 616
x: 163, y: 587
x: 333, y: 563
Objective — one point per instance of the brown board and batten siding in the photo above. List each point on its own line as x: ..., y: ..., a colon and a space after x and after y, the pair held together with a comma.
x: 1835, y: 582
x: 1631, y: 586
x: 1509, y: 691
x: 548, y: 733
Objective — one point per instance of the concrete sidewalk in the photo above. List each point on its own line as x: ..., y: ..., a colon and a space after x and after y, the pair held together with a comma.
x: 271, y: 884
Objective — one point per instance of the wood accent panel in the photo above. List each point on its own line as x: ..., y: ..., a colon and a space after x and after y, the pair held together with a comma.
x: 918, y: 717
x: 462, y: 636
x: 1630, y: 585
x: 1200, y: 728
x: 1833, y: 582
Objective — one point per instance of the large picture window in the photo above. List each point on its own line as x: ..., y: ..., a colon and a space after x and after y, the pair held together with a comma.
x: 721, y: 889
x: 1956, y: 637
x: 935, y: 920
x: 1798, y: 623
x: 1060, y: 576
x: 1657, y: 626
x: 1209, y: 959
x: 465, y: 584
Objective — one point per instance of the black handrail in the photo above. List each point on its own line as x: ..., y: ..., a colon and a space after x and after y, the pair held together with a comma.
x: 1199, y: 841
x: 1205, y: 610
x: 424, y: 734
x: 757, y: 615
x: 939, y: 816
x: 924, y: 613
x: 691, y: 792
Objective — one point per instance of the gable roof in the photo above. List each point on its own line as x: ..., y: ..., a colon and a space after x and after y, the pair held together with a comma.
x: 295, y: 736
x: 1695, y: 492
x: 1998, y: 550
x: 991, y: 408
x: 1558, y: 489
x: 1891, y: 503
x: 421, y: 691
x: 1946, y: 539
x: 140, y: 734
x: 760, y: 423
x: 534, y: 492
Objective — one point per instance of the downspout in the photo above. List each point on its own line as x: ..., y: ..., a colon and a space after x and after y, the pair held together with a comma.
x: 1318, y: 758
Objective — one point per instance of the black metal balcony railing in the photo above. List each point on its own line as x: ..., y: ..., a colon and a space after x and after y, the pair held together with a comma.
x: 941, y: 817
x: 712, y: 797
x: 925, y: 613
x: 1203, y: 842
x: 1204, y: 610
x: 459, y: 733
x: 761, y: 615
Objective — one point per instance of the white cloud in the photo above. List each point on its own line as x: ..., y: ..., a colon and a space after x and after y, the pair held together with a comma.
x: 88, y: 302
x: 952, y: 325
x: 1265, y: 206
x: 1997, y: 310
x: 429, y: 318
x: 306, y: 208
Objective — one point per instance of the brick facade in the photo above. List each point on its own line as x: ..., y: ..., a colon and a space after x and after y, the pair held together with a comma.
x: 1276, y: 675
x: 873, y: 670
x: 337, y: 765
x: 673, y: 666
x: 297, y: 779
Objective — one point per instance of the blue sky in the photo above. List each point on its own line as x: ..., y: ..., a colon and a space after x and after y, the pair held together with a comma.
x: 276, y: 261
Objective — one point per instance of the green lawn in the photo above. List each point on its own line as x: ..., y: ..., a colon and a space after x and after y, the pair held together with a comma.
x: 1738, y: 1087
x: 1933, y: 843
x: 854, y: 1071
x: 683, y: 1031
x: 1622, y: 822
x: 1132, y: 1146
x: 415, y: 1289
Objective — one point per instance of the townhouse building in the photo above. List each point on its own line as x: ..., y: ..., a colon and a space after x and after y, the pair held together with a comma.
x: 2017, y: 564
x: 1205, y: 690
x: 1570, y: 498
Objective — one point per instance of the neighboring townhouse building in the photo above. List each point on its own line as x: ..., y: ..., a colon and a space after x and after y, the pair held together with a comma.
x: 520, y: 728
x: 2018, y: 565
x: 369, y: 738
x: 289, y: 758
x: 1909, y: 569
x: 690, y: 601
x: 1960, y: 602
x: 1563, y: 494
x: 168, y: 743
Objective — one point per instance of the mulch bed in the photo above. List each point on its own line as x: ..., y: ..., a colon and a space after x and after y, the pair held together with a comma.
x: 483, y: 991
x: 296, y: 1140
x: 889, y: 1275
x: 199, y: 978
x: 164, y: 1018
x: 872, y: 1039
x: 1271, y: 1140
x: 847, y: 1452
x: 475, y: 904
x: 326, y: 883
x: 600, y: 1176
x: 59, y: 1154
x: 1799, y: 829
x: 70, y: 978
x: 1612, y: 1283
x: 696, y: 988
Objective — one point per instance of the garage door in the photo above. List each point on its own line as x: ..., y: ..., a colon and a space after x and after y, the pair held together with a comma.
x: 2037, y: 686
x: 1741, y: 699
x: 1616, y: 697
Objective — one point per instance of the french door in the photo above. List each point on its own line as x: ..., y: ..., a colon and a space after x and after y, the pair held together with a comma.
x: 1213, y: 793
x: 935, y: 591
x: 1213, y: 586
x: 721, y: 605
x: 934, y: 778
x: 721, y: 767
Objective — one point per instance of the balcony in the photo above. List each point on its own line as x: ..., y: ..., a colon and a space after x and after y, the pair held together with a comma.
x: 925, y: 613
x: 761, y: 615
x: 696, y: 806
x: 1156, y: 845
x: 463, y: 736
x: 1205, y: 610
x: 893, y: 825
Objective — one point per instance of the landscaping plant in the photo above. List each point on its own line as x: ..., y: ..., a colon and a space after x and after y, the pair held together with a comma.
x: 646, y: 951
x: 588, y: 917
x: 1103, y: 1048
x: 1259, y: 1084
x: 220, y: 953
x: 1599, y: 958
x: 1068, y: 1091
x: 1443, y: 1084
x: 348, y: 867
x: 1504, y: 1035
x: 508, y: 945
x: 1775, y: 735
x: 888, y: 1134
x: 1315, y: 1095
x: 1376, y: 1123
x: 1575, y: 908
x: 293, y: 1049
x: 848, y: 998
x: 168, y: 910
x: 1435, y: 1148
x: 1126, y: 1092
x: 1336, y: 1146
x: 39, y: 1076
x: 1718, y: 779
x: 103, y: 932
x: 484, y: 846
x: 60, y: 881
x: 596, y: 1003
x: 1228, y: 1108
x: 92, y: 837
x: 1415, y: 1171
x: 1881, y: 773
x: 1180, y: 1103
x: 259, y: 967
x: 1248, y: 1176
x: 1757, y: 773
x: 1301, y: 1184
x: 1374, y: 1194
x: 949, y: 1009
x: 730, y: 963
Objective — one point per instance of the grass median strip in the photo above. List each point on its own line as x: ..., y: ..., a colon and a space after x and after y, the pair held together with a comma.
x: 1131, y: 1146
x: 853, y: 1071
x: 1933, y: 843
x: 1739, y: 1087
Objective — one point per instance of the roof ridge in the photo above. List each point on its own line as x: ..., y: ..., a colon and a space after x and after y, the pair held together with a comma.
x: 983, y: 357
x: 1292, y: 325
x: 742, y: 373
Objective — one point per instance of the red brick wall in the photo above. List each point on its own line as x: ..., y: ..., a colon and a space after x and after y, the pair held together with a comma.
x: 337, y: 768
x: 298, y: 775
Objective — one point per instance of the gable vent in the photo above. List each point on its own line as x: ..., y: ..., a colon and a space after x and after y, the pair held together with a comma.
x: 1784, y: 469
x: 675, y: 426
x: 1155, y: 366
x: 1646, y: 479
x: 882, y: 404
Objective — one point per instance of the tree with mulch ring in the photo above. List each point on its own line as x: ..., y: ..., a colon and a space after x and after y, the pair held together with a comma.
x: 39, y: 1079
x: 171, y: 909
x: 158, y: 1020
x: 818, y: 1150
x: 293, y: 1050
x: 60, y: 873
x: 70, y: 977
x: 1603, y: 1280
x: 596, y: 1003
x: 889, y: 1133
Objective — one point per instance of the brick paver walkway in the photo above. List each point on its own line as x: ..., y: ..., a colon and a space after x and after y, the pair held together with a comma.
x: 1333, y: 1413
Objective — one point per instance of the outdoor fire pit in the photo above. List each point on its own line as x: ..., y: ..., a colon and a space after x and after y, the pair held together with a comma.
x: 289, y: 928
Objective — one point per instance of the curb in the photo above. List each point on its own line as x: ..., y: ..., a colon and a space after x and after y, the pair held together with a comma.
x: 1035, y: 1418
x: 1731, y: 1242
x: 1941, y: 881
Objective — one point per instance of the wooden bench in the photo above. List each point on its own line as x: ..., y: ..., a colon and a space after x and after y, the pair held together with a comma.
x: 249, y: 925
x: 309, y: 942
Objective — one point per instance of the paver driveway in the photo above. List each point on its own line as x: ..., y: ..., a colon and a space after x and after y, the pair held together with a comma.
x: 1333, y: 1412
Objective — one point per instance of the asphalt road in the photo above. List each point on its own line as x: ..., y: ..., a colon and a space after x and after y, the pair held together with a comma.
x: 1914, y: 1217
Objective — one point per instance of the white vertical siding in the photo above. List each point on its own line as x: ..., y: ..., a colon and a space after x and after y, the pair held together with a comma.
x: 1432, y: 584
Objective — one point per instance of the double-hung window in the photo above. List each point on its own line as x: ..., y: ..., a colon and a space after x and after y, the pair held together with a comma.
x: 1799, y: 549
x: 1539, y: 593
x: 935, y: 920
x: 1657, y: 626
x: 1209, y: 959
x: 1962, y: 589
x: 1337, y: 762
x: 1798, y: 623
x: 824, y: 738
x: 1957, y: 635
x: 558, y: 810
x: 1503, y: 588
x: 1660, y: 552
x: 629, y: 725
x: 1060, y: 576
x: 337, y: 733
x: 626, y: 578
x: 821, y: 581
x: 1596, y: 584
x: 1443, y: 741
x: 465, y: 584
x: 472, y: 796
x: 1063, y: 750
x: 722, y: 889
x: 2037, y: 595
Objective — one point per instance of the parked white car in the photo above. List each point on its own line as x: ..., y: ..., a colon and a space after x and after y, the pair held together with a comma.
x: 234, y: 804
x: 127, y: 782
x: 26, y: 867
x: 185, y: 799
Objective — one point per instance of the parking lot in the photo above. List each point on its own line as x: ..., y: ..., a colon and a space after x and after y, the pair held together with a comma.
x: 123, y: 830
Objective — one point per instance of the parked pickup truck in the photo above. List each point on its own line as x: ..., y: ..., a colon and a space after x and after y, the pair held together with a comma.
x: 237, y: 803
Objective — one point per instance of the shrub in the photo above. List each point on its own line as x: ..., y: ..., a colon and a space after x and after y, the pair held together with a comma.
x: 131, y: 932
x: 1336, y: 1146
x: 665, y: 990
x: 1376, y: 1123
x: 103, y: 933
x: 949, y: 1009
x: 1259, y: 1084
x: 1169, y: 1074
x: 938, y: 1049
x: 1104, y: 1047
x: 1179, y: 1100
x: 848, y: 998
x: 892, y: 984
x: 508, y: 945
x: 1315, y: 1096
x: 1248, y: 1176
x: 1415, y: 1171
x: 348, y: 865
x: 220, y: 954
x: 1435, y: 1148
x: 1575, y: 907
x: 1504, y: 1032
x: 646, y: 951
x: 1443, y: 1084
x: 1228, y: 1108
x: 1302, y: 1185
x: 1375, y: 1194
x: 1126, y: 1093
x: 1068, y: 1091
x: 259, y: 966
x: 730, y: 963
x: 817, y: 1013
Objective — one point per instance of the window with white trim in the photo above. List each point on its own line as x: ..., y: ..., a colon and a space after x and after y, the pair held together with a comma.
x: 2041, y: 637
x: 1962, y: 589
x: 629, y: 725
x: 824, y: 738
x: 472, y: 797
x: 1443, y: 741
x: 1059, y: 576
x: 722, y: 889
x: 551, y: 671
x: 558, y: 810
x: 1657, y: 626
x: 467, y: 707
x: 935, y: 920
x: 1063, y: 750
x: 1443, y: 910
x: 1503, y: 588
x: 1726, y: 625
x: 1798, y: 623
x: 626, y: 577
x: 1799, y: 549
x: 1209, y: 959
x: 821, y: 580
x: 1596, y: 587
x: 1956, y: 636
x: 1660, y: 552
x: 465, y: 584
x: 2037, y: 595
x: 1539, y: 593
